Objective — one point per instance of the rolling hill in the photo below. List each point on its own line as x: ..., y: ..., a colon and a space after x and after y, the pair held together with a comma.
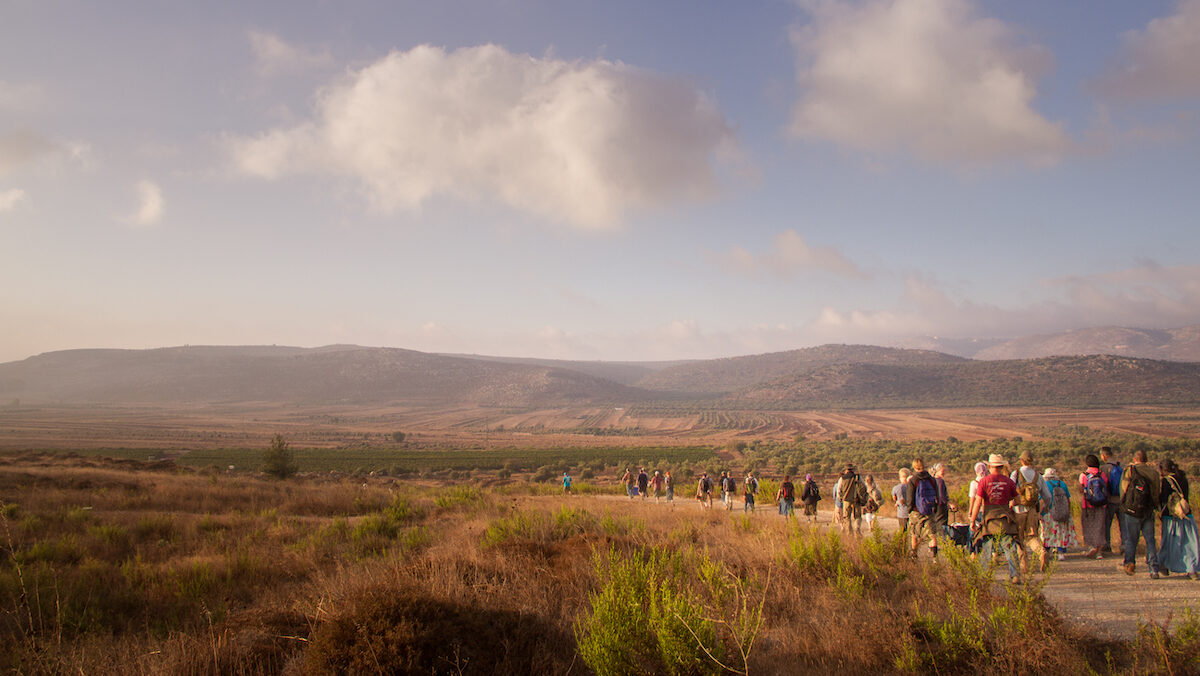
x: 830, y: 376
x: 716, y: 376
x: 335, y: 374
x: 1182, y: 344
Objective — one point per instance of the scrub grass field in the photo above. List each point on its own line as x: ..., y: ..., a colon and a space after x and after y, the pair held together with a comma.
x: 120, y: 566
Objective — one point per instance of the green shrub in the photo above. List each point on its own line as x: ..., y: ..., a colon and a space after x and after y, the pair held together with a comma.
x: 643, y: 620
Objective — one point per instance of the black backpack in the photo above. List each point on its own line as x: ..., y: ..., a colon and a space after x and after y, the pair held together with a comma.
x: 1136, y: 500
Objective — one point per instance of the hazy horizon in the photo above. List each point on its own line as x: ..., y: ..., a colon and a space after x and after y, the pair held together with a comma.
x: 615, y: 181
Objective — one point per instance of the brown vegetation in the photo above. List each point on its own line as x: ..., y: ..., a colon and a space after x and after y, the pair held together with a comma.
x: 120, y: 568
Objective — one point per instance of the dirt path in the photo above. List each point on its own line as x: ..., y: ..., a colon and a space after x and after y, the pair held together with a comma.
x: 1094, y: 594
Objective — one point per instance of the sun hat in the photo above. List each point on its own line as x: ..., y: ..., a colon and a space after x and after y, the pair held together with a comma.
x: 996, y: 460
x: 1050, y: 473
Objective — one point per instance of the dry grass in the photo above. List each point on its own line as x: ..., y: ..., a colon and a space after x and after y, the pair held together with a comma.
x: 120, y: 568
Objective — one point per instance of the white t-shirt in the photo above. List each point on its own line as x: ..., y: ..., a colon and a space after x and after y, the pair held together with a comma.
x: 902, y: 507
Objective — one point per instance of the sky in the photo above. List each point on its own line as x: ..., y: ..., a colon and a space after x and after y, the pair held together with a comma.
x: 616, y: 180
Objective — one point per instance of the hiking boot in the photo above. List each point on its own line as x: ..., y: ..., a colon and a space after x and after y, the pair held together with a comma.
x: 1154, y: 575
x: 1129, y: 568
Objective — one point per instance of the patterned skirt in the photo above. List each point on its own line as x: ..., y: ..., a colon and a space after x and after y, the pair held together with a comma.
x: 1058, y: 533
x: 1093, y: 527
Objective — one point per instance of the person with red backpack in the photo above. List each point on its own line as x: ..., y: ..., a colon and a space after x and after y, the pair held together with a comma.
x: 1094, y: 486
x: 786, y: 496
x: 924, y: 498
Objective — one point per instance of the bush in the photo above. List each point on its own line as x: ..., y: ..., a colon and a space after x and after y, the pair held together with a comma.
x: 279, y: 461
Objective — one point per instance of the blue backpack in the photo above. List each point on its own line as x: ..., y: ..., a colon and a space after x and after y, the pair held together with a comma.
x: 1095, y: 491
x: 927, y: 498
x: 1114, y: 477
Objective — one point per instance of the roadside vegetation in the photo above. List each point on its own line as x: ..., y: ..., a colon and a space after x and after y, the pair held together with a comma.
x: 117, y: 566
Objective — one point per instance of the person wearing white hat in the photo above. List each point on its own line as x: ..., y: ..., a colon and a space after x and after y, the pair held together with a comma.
x: 993, y: 499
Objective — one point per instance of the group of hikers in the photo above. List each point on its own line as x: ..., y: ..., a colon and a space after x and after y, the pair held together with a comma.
x: 1022, y: 514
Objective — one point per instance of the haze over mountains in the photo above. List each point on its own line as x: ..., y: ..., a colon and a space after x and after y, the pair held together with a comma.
x: 837, y: 376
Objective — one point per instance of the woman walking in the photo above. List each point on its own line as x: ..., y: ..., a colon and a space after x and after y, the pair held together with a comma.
x: 874, y: 499
x: 1058, y: 529
x: 1180, y: 552
x: 1093, y: 487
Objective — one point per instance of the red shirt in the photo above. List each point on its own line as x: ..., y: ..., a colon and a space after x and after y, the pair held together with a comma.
x: 996, y: 489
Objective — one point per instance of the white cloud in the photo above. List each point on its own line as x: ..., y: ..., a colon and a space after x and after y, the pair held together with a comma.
x: 272, y: 55
x: 21, y: 147
x: 922, y: 76
x: 9, y: 199
x: 1145, y: 296
x: 789, y: 256
x: 1160, y: 61
x: 150, y: 204
x: 579, y: 142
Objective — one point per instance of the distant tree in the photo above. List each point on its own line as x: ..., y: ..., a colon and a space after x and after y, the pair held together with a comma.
x: 398, y: 437
x: 279, y: 461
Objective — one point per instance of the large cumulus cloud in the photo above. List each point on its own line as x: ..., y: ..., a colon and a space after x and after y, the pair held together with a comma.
x: 576, y: 142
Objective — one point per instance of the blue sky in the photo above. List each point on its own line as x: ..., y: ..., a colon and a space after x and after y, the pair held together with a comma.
x: 594, y: 180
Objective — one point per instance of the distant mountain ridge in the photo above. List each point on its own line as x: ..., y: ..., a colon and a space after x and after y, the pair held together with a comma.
x: 1181, y: 344
x: 829, y: 376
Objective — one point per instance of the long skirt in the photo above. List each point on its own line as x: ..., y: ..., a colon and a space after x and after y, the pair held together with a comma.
x: 1058, y: 533
x: 1179, y: 549
x: 1093, y: 527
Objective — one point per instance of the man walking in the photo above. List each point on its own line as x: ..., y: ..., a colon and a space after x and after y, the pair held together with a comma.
x: 1111, y: 470
x: 998, y: 525
x: 1141, y: 485
x: 1031, y: 490
x: 923, y: 496
x: 750, y: 489
x: 853, y: 494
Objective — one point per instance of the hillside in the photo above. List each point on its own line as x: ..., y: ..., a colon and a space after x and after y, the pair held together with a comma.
x: 1072, y: 381
x: 623, y: 372
x: 336, y: 374
x: 737, y: 373
x: 1182, y: 344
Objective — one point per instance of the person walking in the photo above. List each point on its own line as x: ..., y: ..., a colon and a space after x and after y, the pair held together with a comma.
x: 629, y: 480
x: 941, y: 518
x: 1112, y: 470
x: 656, y: 484
x: 1027, y: 506
x: 643, y: 482
x: 921, y: 492
x: 853, y: 493
x: 670, y: 486
x: 900, y: 498
x: 1094, y: 503
x: 786, y: 496
x: 566, y: 484
x: 809, y: 498
x: 704, y: 491
x: 749, y: 490
x: 874, y: 500
x: 997, y: 522
x: 981, y: 470
x: 1141, y: 487
x: 728, y: 490
x: 1058, y: 525
x: 1180, y: 551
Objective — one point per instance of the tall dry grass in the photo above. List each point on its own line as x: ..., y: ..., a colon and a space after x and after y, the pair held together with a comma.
x: 128, y: 569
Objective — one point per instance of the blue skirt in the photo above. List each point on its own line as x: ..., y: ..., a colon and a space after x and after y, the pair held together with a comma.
x: 1179, y: 549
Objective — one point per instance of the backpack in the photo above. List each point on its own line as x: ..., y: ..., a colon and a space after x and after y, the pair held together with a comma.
x: 786, y: 489
x: 1028, y: 494
x: 1177, y: 502
x: 1060, y: 504
x: 1135, y: 501
x: 752, y: 486
x: 814, y: 492
x: 927, y: 497
x: 1095, y: 493
x: 1114, y: 481
x: 706, y: 485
